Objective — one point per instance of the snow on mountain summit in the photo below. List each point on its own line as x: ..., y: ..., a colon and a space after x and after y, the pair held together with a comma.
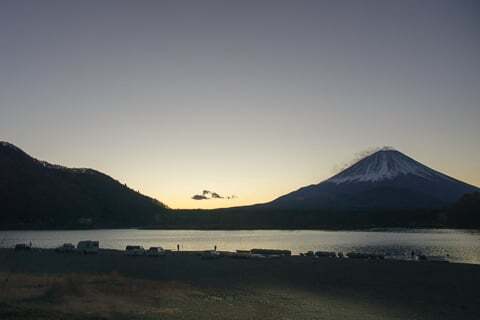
x: 384, y: 164
x: 386, y: 179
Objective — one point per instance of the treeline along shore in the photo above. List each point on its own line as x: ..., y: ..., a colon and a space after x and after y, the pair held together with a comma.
x: 463, y: 215
x: 259, y: 218
x: 44, y: 284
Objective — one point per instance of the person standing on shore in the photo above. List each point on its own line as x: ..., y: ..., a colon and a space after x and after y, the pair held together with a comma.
x: 178, y: 247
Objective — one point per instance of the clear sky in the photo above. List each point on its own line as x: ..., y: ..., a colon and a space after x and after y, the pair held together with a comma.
x: 246, y: 98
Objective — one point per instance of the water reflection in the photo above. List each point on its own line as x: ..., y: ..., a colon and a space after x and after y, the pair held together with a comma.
x: 460, y: 245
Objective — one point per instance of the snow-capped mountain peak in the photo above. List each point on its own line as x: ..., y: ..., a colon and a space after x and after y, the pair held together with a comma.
x: 386, y: 179
x: 384, y: 164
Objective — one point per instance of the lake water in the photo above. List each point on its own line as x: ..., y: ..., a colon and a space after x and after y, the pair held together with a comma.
x: 459, y: 245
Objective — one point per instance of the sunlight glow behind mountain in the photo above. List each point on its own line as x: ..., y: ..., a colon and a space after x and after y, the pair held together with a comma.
x: 252, y: 98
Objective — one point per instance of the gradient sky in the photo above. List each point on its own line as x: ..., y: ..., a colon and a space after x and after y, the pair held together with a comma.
x: 250, y: 98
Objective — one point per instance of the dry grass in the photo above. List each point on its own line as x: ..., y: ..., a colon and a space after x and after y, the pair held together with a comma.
x: 106, y: 295
x: 113, y: 296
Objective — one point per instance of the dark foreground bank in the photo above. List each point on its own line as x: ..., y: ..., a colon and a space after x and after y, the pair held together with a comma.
x: 110, y: 285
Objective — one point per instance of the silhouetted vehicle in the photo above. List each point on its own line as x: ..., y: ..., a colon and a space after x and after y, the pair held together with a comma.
x: 357, y: 255
x: 155, y: 252
x: 328, y: 254
x: 66, y: 247
x: 422, y: 257
x: 135, y: 251
x: 377, y: 256
x: 373, y: 256
x: 241, y: 254
x: 22, y: 247
x: 437, y: 258
x: 271, y: 251
x: 87, y: 246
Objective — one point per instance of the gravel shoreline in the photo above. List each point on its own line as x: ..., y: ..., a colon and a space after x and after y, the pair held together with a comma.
x: 190, y: 287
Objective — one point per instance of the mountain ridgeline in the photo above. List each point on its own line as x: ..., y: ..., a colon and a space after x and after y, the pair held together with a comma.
x: 36, y: 194
x: 385, y: 189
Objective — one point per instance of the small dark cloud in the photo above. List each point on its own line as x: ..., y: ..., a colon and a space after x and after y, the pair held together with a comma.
x: 207, y: 194
x: 200, y: 197
x: 216, y: 195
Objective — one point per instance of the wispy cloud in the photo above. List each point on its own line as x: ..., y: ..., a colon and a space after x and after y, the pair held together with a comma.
x: 357, y: 157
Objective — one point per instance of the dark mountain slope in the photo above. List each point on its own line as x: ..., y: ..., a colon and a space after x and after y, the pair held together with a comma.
x: 37, y: 194
x: 465, y: 213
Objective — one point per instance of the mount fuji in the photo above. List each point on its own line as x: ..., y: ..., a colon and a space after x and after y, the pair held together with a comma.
x: 386, y: 179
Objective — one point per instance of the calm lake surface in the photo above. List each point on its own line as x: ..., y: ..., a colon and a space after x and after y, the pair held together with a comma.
x: 459, y: 245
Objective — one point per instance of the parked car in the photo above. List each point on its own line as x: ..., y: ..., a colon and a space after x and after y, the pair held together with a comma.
x: 241, y: 254
x: 271, y: 251
x: 437, y: 258
x: 22, y: 247
x: 88, y: 246
x: 328, y: 254
x: 357, y: 255
x: 422, y: 257
x: 66, y: 247
x: 155, y: 252
x: 135, y: 251
x: 372, y: 256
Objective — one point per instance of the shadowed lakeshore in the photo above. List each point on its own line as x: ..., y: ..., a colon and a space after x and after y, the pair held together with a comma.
x: 48, y: 285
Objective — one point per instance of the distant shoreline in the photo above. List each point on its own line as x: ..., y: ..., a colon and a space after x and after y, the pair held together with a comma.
x: 373, y: 229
